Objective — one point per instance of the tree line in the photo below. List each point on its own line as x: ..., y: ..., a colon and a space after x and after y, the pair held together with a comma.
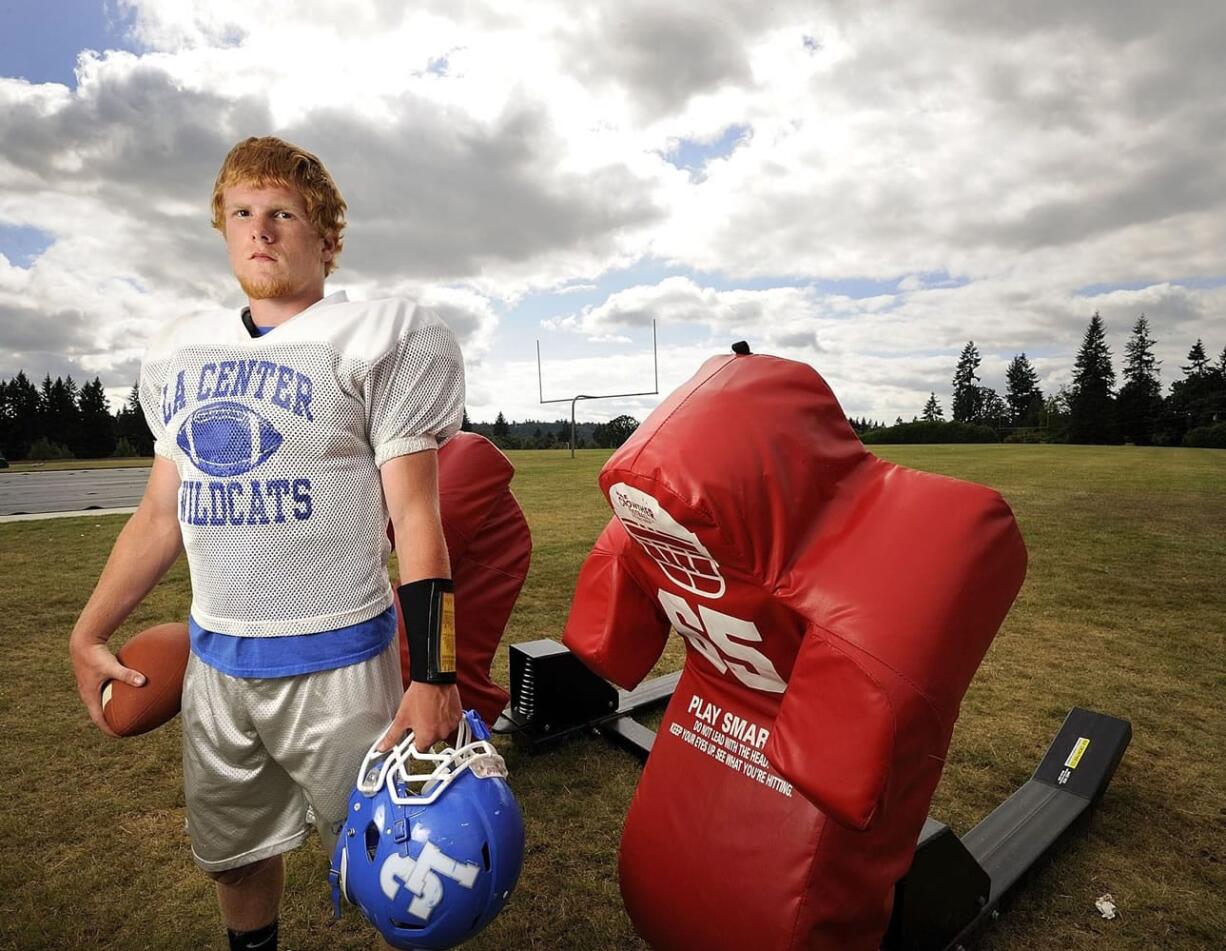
x: 1091, y: 410
x: 542, y: 434
x: 59, y: 420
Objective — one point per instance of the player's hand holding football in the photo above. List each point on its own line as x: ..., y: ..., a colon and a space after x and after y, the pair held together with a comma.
x: 94, y: 664
x: 431, y: 711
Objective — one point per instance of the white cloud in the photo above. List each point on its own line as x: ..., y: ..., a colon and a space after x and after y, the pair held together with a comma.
x: 983, y: 161
x: 784, y: 315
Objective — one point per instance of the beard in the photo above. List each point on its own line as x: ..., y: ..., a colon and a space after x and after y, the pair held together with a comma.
x: 265, y: 288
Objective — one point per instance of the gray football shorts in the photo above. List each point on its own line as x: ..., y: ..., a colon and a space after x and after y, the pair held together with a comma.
x: 258, y: 752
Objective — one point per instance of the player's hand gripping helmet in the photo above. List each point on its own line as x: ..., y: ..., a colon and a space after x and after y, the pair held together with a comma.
x: 432, y: 842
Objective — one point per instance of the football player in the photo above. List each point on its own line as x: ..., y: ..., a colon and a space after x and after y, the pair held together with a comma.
x: 286, y: 436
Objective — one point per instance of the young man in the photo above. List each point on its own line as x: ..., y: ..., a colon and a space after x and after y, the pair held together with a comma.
x: 285, y: 438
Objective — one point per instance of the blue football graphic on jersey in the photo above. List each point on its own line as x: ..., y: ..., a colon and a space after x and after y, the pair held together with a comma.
x: 227, y: 439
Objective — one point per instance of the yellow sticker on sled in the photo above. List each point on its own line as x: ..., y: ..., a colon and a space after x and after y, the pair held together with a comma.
x: 1079, y: 749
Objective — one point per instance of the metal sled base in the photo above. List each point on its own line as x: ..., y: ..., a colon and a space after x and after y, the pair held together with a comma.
x: 954, y: 886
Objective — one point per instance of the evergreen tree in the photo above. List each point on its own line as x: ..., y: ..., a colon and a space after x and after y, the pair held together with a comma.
x: 1140, y: 399
x: 131, y: 428
x: 1198, y: 360
x: 25, y: 416
x: 465, y: 425
x: 966, y: 385
x: 97, y: 438
x: 500, y: 425
x: 1022, y: 392
x: 61, y: 417
x: 6, y: 418
x: 932, y: 409
x: 1219, y: 385
x: 45, y: 399
x: 1092, y: 402
x: 1140, y: 365
x: 1199, y: 399
x: 1218, y: 376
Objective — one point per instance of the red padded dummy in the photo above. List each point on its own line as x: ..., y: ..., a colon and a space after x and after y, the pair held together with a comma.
x: 490, y: 546
x: 834, y: 607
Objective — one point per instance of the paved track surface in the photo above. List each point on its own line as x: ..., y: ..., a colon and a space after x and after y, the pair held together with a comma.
x: 70, y: 490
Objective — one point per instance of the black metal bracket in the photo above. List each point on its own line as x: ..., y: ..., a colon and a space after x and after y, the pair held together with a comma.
x: 555, y: 696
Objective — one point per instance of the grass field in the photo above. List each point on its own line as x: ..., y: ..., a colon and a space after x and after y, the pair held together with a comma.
x: 52, y: 465
x: 1123, y: 611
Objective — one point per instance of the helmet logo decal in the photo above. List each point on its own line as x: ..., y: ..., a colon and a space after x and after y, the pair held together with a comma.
x: 679, y: 553
x: 420, y: 877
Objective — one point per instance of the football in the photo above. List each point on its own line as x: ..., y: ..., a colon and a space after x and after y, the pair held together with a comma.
x: 160, y: 653
x: 227, y: 439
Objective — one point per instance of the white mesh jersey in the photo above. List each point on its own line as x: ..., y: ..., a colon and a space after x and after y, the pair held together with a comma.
x: 278, y: 440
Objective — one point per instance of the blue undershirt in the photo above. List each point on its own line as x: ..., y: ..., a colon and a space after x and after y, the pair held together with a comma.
x: 293, y: 654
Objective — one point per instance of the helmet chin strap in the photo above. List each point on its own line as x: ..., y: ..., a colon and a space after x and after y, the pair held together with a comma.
x: 338, y: 878
x: 394, y: 768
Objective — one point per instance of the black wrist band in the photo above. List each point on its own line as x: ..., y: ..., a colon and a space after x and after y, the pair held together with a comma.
x: 428, y: 609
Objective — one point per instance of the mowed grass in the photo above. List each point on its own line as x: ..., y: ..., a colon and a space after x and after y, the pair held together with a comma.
x: 1122, y: 612
x: 54, y: 465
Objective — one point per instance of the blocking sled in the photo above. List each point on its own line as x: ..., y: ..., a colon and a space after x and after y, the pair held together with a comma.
x: 834, y: 608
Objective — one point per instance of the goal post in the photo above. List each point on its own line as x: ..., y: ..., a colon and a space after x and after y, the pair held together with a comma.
x: 603, y: 396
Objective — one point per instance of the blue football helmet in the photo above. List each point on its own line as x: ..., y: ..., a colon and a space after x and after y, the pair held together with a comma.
x: 432, y: 843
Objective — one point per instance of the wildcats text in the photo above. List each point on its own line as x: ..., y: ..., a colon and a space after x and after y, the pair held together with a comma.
x: 254, y: 502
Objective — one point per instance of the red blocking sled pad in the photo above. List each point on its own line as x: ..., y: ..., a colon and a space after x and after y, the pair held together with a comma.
x: 834, y: 606
x: 490, y: 547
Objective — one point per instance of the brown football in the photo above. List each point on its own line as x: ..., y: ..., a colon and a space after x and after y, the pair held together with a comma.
x: 160, y: 653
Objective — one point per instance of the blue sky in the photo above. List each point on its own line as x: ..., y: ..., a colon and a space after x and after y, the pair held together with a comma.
x: 693, y: 156
x: 22, y: 245
x: 41, y: 39
x: 784, y: 187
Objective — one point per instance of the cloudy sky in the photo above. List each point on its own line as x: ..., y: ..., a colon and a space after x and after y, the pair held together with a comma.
x: 861, y: 186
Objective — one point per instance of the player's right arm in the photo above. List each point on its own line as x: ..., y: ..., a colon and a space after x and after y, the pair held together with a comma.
x: 142, y: 554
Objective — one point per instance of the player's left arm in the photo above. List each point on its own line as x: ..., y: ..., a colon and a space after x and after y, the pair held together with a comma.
x: 410, y: 486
